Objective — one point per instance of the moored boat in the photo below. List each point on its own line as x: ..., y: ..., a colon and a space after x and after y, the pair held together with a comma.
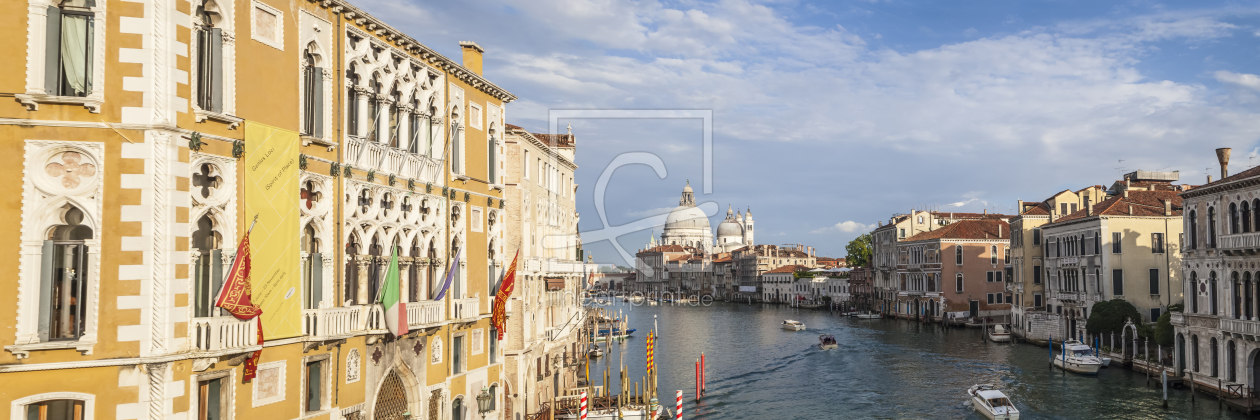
x: 868, y: 315
x: 999, y: 334
x: 993, y: 404
x: 827, y: 342
x: 1078, y: 358
x: 792, y: 325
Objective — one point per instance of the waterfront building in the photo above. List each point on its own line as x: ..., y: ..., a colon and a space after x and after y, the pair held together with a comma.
x: 884, y: 246
x: 1124, y: 247
x: 143, y: 151
x: 1216, y: 330
x: 954, y: 271
x: 780, y: 284
x: 861, y: 289
x: 546, y: 311
x: 726, y: 286
x: 652, y: 268
x: 1029, y: 318
x: 751, y: 262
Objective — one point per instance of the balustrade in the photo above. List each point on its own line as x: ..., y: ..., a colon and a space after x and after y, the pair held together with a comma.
x: 425, y: 313
x: 223, y: 333
x: 466, y: 308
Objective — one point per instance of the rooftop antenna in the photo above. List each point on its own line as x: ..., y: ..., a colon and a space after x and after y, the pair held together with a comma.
x: 1121, y: 167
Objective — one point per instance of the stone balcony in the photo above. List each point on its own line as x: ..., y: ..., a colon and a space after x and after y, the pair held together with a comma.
x: 467, y: 308
x: 222, y: 333
x: 1241, y: 328
x: 1240, y: 244
x: 368, y: 155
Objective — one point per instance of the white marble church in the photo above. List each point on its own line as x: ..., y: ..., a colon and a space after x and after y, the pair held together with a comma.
x: 688, y: 226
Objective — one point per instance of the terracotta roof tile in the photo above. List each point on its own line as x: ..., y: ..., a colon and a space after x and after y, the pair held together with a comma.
x: 555, y: 140
x: 967, y: 229
x: 1143, y: 203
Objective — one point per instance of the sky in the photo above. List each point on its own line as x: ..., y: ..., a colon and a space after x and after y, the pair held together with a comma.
x: 828, y: 117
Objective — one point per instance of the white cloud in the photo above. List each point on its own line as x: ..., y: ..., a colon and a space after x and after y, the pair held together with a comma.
x: 847, y: 226
x: 649, y: 212
x: 1250, y: 81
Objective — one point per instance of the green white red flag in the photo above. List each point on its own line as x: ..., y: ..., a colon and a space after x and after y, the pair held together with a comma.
x: 391, y: 298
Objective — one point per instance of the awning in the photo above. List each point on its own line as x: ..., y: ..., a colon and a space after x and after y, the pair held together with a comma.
x: 554, y: 283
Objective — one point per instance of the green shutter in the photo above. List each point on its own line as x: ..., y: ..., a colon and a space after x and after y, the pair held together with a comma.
x: 216, y: 70
x: 212, y: 403
x: 216, y: 276
x: 52, y: 52
x: 312, y: 386
x: 45, y: 288
x: 317, y: 111
x: 317, y: 279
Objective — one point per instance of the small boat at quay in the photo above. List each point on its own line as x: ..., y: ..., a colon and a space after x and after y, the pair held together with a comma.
x: 792, y: 325
x: 595, y: 353
x: 1078, y: 358
x: 993, y: 404
x: 827, y: 342
x: 999, y: 334
x: 867, y: 315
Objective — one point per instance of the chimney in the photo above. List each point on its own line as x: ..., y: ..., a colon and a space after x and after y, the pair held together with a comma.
x: 472, y: 56
x: 1089, y: 207
x: 1167, y: 207
x: 1222, y: 155
x: 1130, y: 209
x: 1126, y: 192
x: 986, y: 211
x: 999, y: 231
x: 1019, y: 208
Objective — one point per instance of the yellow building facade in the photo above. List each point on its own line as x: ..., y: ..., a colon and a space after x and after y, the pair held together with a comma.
x: 134, y: 179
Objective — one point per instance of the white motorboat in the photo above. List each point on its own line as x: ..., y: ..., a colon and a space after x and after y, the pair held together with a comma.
x: 1106, y: 361
x: 827, y: 342
x: 792, y: 325
x: 993, y: 404
x: 595, y: 353
x: 999, y: 334
x: 868, y: 315
x: 1078, y: 358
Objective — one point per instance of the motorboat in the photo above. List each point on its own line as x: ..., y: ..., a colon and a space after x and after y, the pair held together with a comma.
x: 792, y: 325
x: 827, y: 342
x: 1078, y: 358
x: 999, y: 334
x: 1106, y: 361
x: 868, y: 315
x: 993, y: 404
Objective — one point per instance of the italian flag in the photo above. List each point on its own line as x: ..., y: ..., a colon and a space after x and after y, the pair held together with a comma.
x: 391, y: 298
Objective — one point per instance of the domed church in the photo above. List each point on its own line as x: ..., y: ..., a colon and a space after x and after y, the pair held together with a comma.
x: 688, y: 226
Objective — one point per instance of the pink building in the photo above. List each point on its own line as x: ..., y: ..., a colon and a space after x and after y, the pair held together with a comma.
x: 955, y: 271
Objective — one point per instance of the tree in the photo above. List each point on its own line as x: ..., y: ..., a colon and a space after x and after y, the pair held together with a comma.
x: 1163, y: 328
x: 1109, y: 317
x: 859, y: 251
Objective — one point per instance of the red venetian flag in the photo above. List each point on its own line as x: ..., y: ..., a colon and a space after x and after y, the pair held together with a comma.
x: 499, y: 316
x: 235, y: 297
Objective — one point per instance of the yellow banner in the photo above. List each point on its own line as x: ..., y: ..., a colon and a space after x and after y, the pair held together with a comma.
x: 271, y: 192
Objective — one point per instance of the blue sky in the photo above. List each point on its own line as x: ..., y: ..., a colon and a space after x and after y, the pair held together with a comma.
x: 831, y: 116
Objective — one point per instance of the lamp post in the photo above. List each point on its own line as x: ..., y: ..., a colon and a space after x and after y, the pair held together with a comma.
x: 484, y: 402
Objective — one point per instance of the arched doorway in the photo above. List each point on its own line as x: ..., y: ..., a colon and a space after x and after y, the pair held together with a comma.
x: 391, y: 399
x: 1253, y: 363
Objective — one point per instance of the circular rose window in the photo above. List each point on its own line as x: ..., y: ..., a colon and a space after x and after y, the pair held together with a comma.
x: 70, y: 168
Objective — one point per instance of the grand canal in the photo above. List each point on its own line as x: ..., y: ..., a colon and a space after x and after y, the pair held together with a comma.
x: 883, y: 369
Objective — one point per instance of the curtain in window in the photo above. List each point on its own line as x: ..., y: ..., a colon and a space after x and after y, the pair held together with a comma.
x: 74, y: 52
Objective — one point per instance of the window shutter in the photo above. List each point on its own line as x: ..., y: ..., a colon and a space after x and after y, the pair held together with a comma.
x: 216, y: 70
x: 216, y: 276
x: 52, y: 53
x: 317, y: 111
x: 317, y: 279
x: 89, y: 58
x: 45, y: 288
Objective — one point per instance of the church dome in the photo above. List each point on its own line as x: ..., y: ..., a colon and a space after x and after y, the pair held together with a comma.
x: 686, y: 217
x: 730, y: 229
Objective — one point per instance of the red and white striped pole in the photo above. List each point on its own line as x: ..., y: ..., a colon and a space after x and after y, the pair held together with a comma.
x: 582, y: 409
x: 678, y: 408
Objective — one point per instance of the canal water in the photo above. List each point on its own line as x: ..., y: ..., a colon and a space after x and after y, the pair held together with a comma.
x: 883, y: 369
